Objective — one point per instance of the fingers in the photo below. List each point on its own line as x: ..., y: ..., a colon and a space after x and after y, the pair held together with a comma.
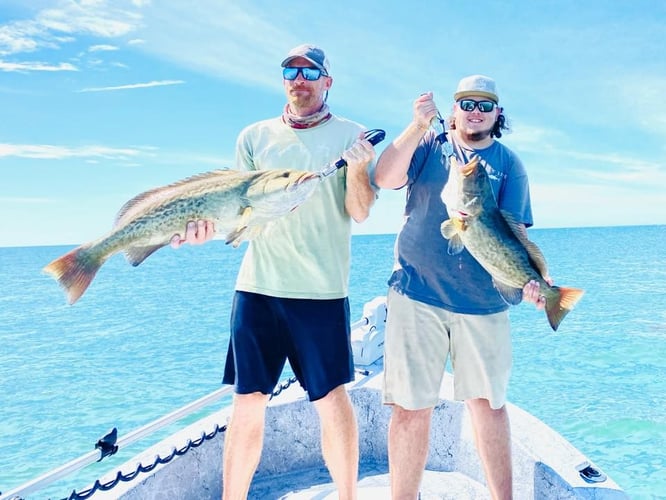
x: 360, y: 154
x: 175, y: 241
x: 425, y: 110
x: 196, y: 233
x: 532, y: 293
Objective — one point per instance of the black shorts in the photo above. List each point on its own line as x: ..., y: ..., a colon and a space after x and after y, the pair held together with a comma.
x: 313, y: 335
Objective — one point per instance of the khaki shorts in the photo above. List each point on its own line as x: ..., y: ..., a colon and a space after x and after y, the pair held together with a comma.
x: 419, y: 339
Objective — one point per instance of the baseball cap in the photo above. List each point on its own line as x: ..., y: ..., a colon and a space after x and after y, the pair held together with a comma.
x: 312, y: 53
x: 476, y: 85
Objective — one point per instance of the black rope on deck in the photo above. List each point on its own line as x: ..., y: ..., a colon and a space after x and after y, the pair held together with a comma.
x: 120, y: 477
x: 191, y: 444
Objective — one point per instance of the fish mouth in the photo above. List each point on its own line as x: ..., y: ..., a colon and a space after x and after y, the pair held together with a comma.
x: 307, y: 177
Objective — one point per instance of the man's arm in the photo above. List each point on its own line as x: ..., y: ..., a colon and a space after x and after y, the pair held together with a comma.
x: 359, y: 195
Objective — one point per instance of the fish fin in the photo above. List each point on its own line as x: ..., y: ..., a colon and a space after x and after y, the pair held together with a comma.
x: 512, y: 296
x: 450, y: 229
x: 74, y: 271
x: 533, y: 251
x: 241, y: 233
x: 136, y: 255
x: 160, y: 194
x: 234, y: 238
x: 566, y: 299
x: 455, y: 245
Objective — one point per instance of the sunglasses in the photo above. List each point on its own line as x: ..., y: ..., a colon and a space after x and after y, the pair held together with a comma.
x: 470, y: 104
x: 310, y: 74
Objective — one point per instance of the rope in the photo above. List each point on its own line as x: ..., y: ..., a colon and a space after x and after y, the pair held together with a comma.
x: 120, y: 477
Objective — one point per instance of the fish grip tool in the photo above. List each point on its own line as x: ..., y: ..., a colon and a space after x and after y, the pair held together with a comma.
x: 373, y: 136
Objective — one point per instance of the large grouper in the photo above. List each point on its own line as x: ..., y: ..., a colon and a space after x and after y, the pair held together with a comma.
x: 240, y: 203
x: 497, y: 242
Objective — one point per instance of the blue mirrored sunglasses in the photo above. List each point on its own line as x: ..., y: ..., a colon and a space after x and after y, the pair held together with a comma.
x: 310, y: 74
x: 470, y: 104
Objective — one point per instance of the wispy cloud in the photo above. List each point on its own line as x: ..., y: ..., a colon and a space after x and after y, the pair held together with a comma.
x: 35, y: 66
x: 51, y: 28
x: 51, y: 152
x: 159, y: 83
x: 22, y: 200
x: 102, y: 48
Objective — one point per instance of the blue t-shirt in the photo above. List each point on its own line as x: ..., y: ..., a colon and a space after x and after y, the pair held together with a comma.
x: 424, y: 270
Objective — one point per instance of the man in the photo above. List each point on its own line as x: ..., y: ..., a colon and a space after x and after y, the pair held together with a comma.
x: 441, y: 304
x: 291, y: 291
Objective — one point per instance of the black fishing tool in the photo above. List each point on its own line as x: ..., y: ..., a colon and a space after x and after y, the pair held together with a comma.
x: 374, y: 136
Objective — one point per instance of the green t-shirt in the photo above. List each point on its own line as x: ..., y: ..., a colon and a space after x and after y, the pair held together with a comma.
x: 305, y: 254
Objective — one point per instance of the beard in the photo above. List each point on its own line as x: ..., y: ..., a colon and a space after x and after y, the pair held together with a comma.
x: 301, y: 99
x: 477, y: 135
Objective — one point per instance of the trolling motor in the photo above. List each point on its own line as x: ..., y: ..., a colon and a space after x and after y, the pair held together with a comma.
x: 374, y: 137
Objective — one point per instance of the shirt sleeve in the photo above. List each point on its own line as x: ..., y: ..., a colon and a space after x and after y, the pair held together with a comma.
x: 244, y: 159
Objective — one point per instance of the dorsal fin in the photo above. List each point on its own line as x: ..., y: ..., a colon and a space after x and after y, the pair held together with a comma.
x: 534, y: 252
x: 164, y: 193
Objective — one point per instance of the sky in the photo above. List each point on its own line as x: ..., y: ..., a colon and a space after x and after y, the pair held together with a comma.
x: 103, y: 99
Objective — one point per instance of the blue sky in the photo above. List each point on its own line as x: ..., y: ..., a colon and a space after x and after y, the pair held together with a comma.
x: 103, y: 99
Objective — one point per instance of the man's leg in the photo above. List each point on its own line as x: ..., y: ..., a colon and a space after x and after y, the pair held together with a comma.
x: 339, y: 440
x: 408, y: 442
x: 243, y: 442
x: 492, y: 433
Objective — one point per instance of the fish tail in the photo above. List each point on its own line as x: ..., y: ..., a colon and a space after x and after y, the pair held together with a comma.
x: 74, y: 271
x: 561, y: 303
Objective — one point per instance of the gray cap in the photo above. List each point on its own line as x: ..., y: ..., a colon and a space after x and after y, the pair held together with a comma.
x: 310, y: 52
x: 479, y: 85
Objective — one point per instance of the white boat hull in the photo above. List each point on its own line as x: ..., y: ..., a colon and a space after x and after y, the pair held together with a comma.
x: 545, y: 465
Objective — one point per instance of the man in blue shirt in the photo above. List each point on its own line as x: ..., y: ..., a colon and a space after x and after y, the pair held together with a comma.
x: 441, y: 304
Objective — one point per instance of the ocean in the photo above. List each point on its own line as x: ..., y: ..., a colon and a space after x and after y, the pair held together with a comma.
x: 145, y: 341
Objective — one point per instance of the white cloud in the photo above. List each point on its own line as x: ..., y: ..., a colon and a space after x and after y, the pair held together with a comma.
x: 574, y: 205
x: 35, y: 66
x: 24, y: 200
x: 51, y: 152
x: 134, y: 86
x: 102, y: 47
x: 51, y: 28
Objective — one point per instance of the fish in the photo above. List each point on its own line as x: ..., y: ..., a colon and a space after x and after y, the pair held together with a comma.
x: 497, y: 242
x: 241, y: 204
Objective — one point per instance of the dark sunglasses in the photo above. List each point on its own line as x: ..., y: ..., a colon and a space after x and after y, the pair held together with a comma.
x: 310, y: 74
x: 470, y: 104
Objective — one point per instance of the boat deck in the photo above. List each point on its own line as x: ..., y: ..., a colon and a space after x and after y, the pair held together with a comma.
x: 373, y: 484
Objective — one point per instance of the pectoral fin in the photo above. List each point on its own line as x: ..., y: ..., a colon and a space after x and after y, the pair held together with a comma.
x: 236, y: 237
x: 244, y: 234
x: 450, y: 230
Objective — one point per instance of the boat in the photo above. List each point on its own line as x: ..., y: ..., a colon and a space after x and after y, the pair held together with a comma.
x: 188, y: 464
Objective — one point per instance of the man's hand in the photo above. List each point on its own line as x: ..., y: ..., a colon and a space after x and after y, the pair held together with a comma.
x: 424, y: 111
x: 360, y: 154
x: 196, y: 233
x: 531, y: 293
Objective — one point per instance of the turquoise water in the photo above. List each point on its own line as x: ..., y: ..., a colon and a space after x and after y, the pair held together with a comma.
x: 144, y: 341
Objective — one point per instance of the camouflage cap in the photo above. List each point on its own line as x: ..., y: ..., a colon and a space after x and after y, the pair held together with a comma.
x: 312, y: 53
x: 477, y: 85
